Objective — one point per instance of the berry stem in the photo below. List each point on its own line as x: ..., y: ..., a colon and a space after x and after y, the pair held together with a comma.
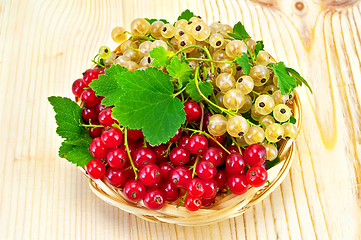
x: 135, y: 169
x: 208, y: 136
x: 90, y: 125
x: 194, y: 166
x: 256, y: 93
x: 208, y: 60
x: 176, y: 94
x: 204, y: 49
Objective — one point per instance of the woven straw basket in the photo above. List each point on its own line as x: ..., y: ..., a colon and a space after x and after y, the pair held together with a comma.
x: 227, y: 207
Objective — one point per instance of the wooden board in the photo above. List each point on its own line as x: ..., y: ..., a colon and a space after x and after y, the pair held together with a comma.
x: 45, y: 46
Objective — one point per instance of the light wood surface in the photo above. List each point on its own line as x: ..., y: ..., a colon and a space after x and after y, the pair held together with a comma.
x: 45, y: 46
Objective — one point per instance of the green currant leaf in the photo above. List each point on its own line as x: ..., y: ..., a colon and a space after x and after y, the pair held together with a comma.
x: 286, y: 83
x: 179, y: 70
x: 79, y: 155
x: 239, y: 32
x: 107, y: 85
x: 164, y: 21
x: 205, y: 87
x: 293, y: 120
x: 299, y: 78
x: 243, y: 61
x: 272, y: 163
x: 147, y: 102
x: 259, y: 46
x: 64, y: 149
x: 186, y: 14
x: 152, y: 20
x: 67, y: 116
x: 161, y: 56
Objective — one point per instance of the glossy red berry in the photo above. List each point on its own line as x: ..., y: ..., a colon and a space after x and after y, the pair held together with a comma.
x: 193, y: 111
x: 134, y: 190
x: 143, y: 156
x: 134, y: 134
x: 221, y: 179
x: 98, y: 149
x: 89, y: 98
x: 205, y: 170
x: 105, y: 118
x: 116, y: 177
x: 210, y: 188
x: 161, y: 153
x: 117, y: 158
x: 234, y: 164
x: 165, y: 169
x: 206, y: 202
x: 237, y: 184
x: 233, y: 149
x: 153, y: 199
x: 195, y: 187
x: 221, y: 139
x: 89, y: 114
x: 170, y: 191
x: 255, y: 155
x: 179, y: 156
x: 213, y: 155
x: 131, y: 148
x: 95, y: 169
x: 78, y: 87
x: 149, y: 174
x: 197, y: 144
x: 180, y: 176
x: 183, y: 141
x: 192, y: 203
x: 112, y: 137
x: 99, y: 106
x: 95, y: 131
x: 91, y: 74
x: 177, y: 136
x: 256, y: 176
x: 206, y: 118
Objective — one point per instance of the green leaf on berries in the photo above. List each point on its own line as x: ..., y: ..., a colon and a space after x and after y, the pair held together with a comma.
x: 107, y: 85
x: 299, y: 78
x: 161, y: 56
x: 259, y: 46
x: 147, y: 102
x: 293, y: 120
x: 67, y: 116
x: 243, y: 62
x: 239, y: 32
x: 272, y: 163
x: 186, y: 14
x: 205, y: 87
x: 152, y: 20
x: 286, y: 82
x: 79, y: 155
x: 179, y: 70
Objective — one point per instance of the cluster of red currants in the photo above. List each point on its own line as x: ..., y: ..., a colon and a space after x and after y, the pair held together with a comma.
x: 190, y: 167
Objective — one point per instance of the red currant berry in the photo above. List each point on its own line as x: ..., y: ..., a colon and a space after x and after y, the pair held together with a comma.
x: 180, y: 176
x: 105, y: 118
x: 117, y: 158
x: 143, y: 156
x: 221, y: 139
x: 195, y: 187
x: 221, y: 179
x: 149, y: 174
x: 98, y: 149
x: 233, y: 149
x: 78, y: 87
x: 234, y: 164
x: 197, y: 144
x: 89, y: 114
x: 170, y: 191
x: 154, y: 199
x: 134, y: 134
x: 95, y: 131
x: 213, y: 155
x: 116, y: 177
x: 205, y: 170
x: 165, y: 169
x: 192, y: 203
x: 237, y: 184
x: 131, y: 148
x: 183, y: 141
x: 193, y: 111
x: 90, y: 75
x: 88, y: 96
x: 177, y: 136
x: 179, y: 156
x: 210, y: 188
x: 206, y: 118
x: 112, y: 137
x: 99, y: 106
x: 130, y: 171
x: 256, y: 176
x: 255, y: 155
x: 206, y: 202
x: 161, y: 152
x: 134, y: 190
x: 95, y: 169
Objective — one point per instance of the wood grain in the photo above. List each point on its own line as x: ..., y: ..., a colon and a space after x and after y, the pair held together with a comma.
x: 44, y: 47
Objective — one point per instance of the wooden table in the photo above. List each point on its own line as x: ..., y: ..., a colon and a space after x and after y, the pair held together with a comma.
x: 45, y: 46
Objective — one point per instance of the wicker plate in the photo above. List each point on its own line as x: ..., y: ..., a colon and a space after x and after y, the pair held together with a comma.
x: 227, y: 207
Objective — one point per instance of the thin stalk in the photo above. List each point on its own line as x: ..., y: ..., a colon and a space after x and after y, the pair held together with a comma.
x: 135, y: 169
